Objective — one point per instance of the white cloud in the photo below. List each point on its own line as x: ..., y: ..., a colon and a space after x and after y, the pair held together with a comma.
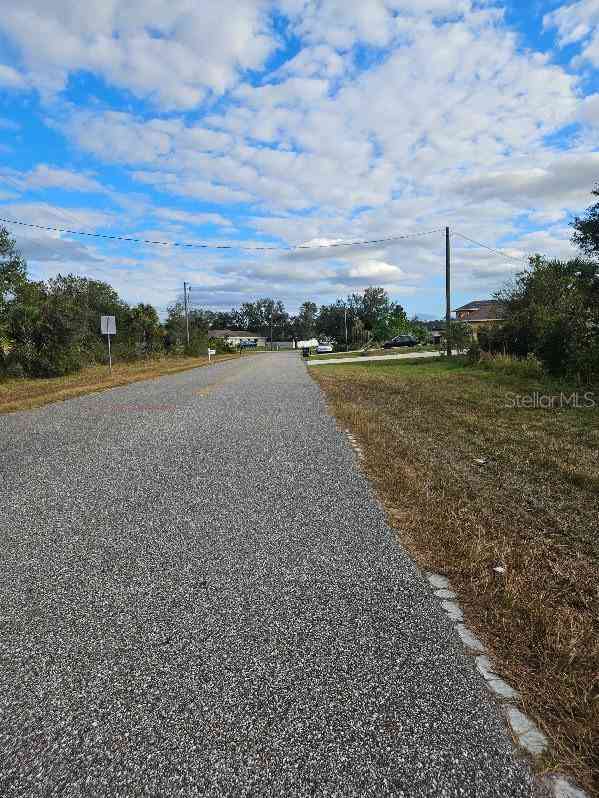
x: 578, y: 23
x: 11, y: 79
x: 293, y: 145
x: 172, y: 53
x: 193, y: 219
x: 567, y: 180
x: 115, y: 136
x: 48, y: 249
x: 44, y: 176
x: 53, y: 216
x: 394, y: 116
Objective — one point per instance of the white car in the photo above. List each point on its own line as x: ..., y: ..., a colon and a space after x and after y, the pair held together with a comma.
x: 321, y: 349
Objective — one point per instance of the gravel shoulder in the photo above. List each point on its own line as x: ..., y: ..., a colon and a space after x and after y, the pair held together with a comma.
x: 200, y: 596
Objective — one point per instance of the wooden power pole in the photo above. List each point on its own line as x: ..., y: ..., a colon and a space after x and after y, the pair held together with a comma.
x: 448, y: 291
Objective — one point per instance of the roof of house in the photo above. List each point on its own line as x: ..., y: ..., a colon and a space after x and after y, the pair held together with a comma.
x: 483, y: 310
x: 233, y: 334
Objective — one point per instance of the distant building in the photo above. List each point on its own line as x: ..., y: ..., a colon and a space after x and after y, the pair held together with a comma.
x: 234, y: 338
x: 481, y: 312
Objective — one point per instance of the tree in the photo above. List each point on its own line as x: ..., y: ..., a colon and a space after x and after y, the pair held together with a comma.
x: 304, y: 324
x: 371, y: 307
x: 380, y: 316
x: 144, y: 330
x: 46, y: 331
x: 175, y: 329
x: 331, y: 322
x: 13, y: 275
x: 552, y: 311
x: 265, y: 316
x: 586, y: 229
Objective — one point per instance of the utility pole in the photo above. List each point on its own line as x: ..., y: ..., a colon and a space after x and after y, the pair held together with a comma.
x: 345, y: 323
x: 186, y: 313
x: 448, y: 291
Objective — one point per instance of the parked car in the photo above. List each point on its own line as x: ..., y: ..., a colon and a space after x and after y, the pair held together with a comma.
x: 321, y: 349
x: 401, y: 340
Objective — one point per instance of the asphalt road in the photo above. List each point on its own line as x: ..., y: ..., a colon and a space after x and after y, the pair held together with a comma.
x: 199, y: 595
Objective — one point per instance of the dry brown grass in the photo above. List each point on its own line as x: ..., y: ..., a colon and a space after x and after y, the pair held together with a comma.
x: 532, y: 507
x: 26, y: 394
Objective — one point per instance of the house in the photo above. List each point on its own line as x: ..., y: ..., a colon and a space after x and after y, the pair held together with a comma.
x: 234, y: 338
x: 480, y: 312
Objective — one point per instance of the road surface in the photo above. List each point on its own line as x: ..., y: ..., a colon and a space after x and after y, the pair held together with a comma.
x: 200, y: 597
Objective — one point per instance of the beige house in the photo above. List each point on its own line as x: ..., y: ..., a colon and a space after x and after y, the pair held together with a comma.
x: 480, y: 313
x: 234, y: 338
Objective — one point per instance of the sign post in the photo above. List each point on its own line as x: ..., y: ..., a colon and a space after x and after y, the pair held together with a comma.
x: 108, y: 328
x: 210, y: 353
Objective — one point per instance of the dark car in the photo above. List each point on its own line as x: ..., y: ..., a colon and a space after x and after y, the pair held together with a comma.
x: 401, y: 340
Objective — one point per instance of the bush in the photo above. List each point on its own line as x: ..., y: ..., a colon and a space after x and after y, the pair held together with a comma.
x: 473, y: 352
x: 13, y: 370
x: 219, y: 345
x: 55, y: 363
x: 529, y: 366
x: 197, y: 346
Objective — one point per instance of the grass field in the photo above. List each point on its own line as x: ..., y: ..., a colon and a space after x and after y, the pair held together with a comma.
x: 399, y: 351
x: 26, y: 394
x: 471, y: 481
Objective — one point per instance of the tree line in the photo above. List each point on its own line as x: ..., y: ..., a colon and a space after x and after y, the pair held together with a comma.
x: 552, y: 308
x: 370, y: 314
x: 51, y: 328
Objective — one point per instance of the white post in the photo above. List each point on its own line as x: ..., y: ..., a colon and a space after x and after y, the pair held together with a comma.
x: 109, y: 354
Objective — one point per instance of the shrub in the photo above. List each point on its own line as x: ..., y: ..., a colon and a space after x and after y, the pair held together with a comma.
x: 197, y: 346
x: 13, y: 370
x: 219, y: 345
x: 529, y: 366
x: 473, y: 352
x: 55, y: 363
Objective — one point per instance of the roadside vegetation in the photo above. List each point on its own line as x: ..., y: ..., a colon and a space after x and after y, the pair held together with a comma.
x: 28, y: 393
x: 471, y: 482
x: 51, y: 328
x: 401, y: 350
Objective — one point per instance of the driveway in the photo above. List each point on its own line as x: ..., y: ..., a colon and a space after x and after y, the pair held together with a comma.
x: 200, y: 596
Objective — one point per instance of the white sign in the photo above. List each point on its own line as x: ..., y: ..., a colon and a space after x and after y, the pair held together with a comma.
x: 212, y: 351
x: 108, y: 325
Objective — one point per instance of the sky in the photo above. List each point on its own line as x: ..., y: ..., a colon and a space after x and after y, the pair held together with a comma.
x: 300, y: 122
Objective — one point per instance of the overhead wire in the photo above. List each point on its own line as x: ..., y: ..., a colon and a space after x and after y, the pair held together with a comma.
x: 491, y: 249
x: 241, y: 247
x: 206, y: 245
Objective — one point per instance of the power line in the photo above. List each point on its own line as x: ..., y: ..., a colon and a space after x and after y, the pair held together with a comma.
x: 486, y: 246
x: 298, y: 247
x: 218, y: 246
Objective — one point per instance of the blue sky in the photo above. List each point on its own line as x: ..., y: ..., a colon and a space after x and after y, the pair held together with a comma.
x: 298, y: 122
